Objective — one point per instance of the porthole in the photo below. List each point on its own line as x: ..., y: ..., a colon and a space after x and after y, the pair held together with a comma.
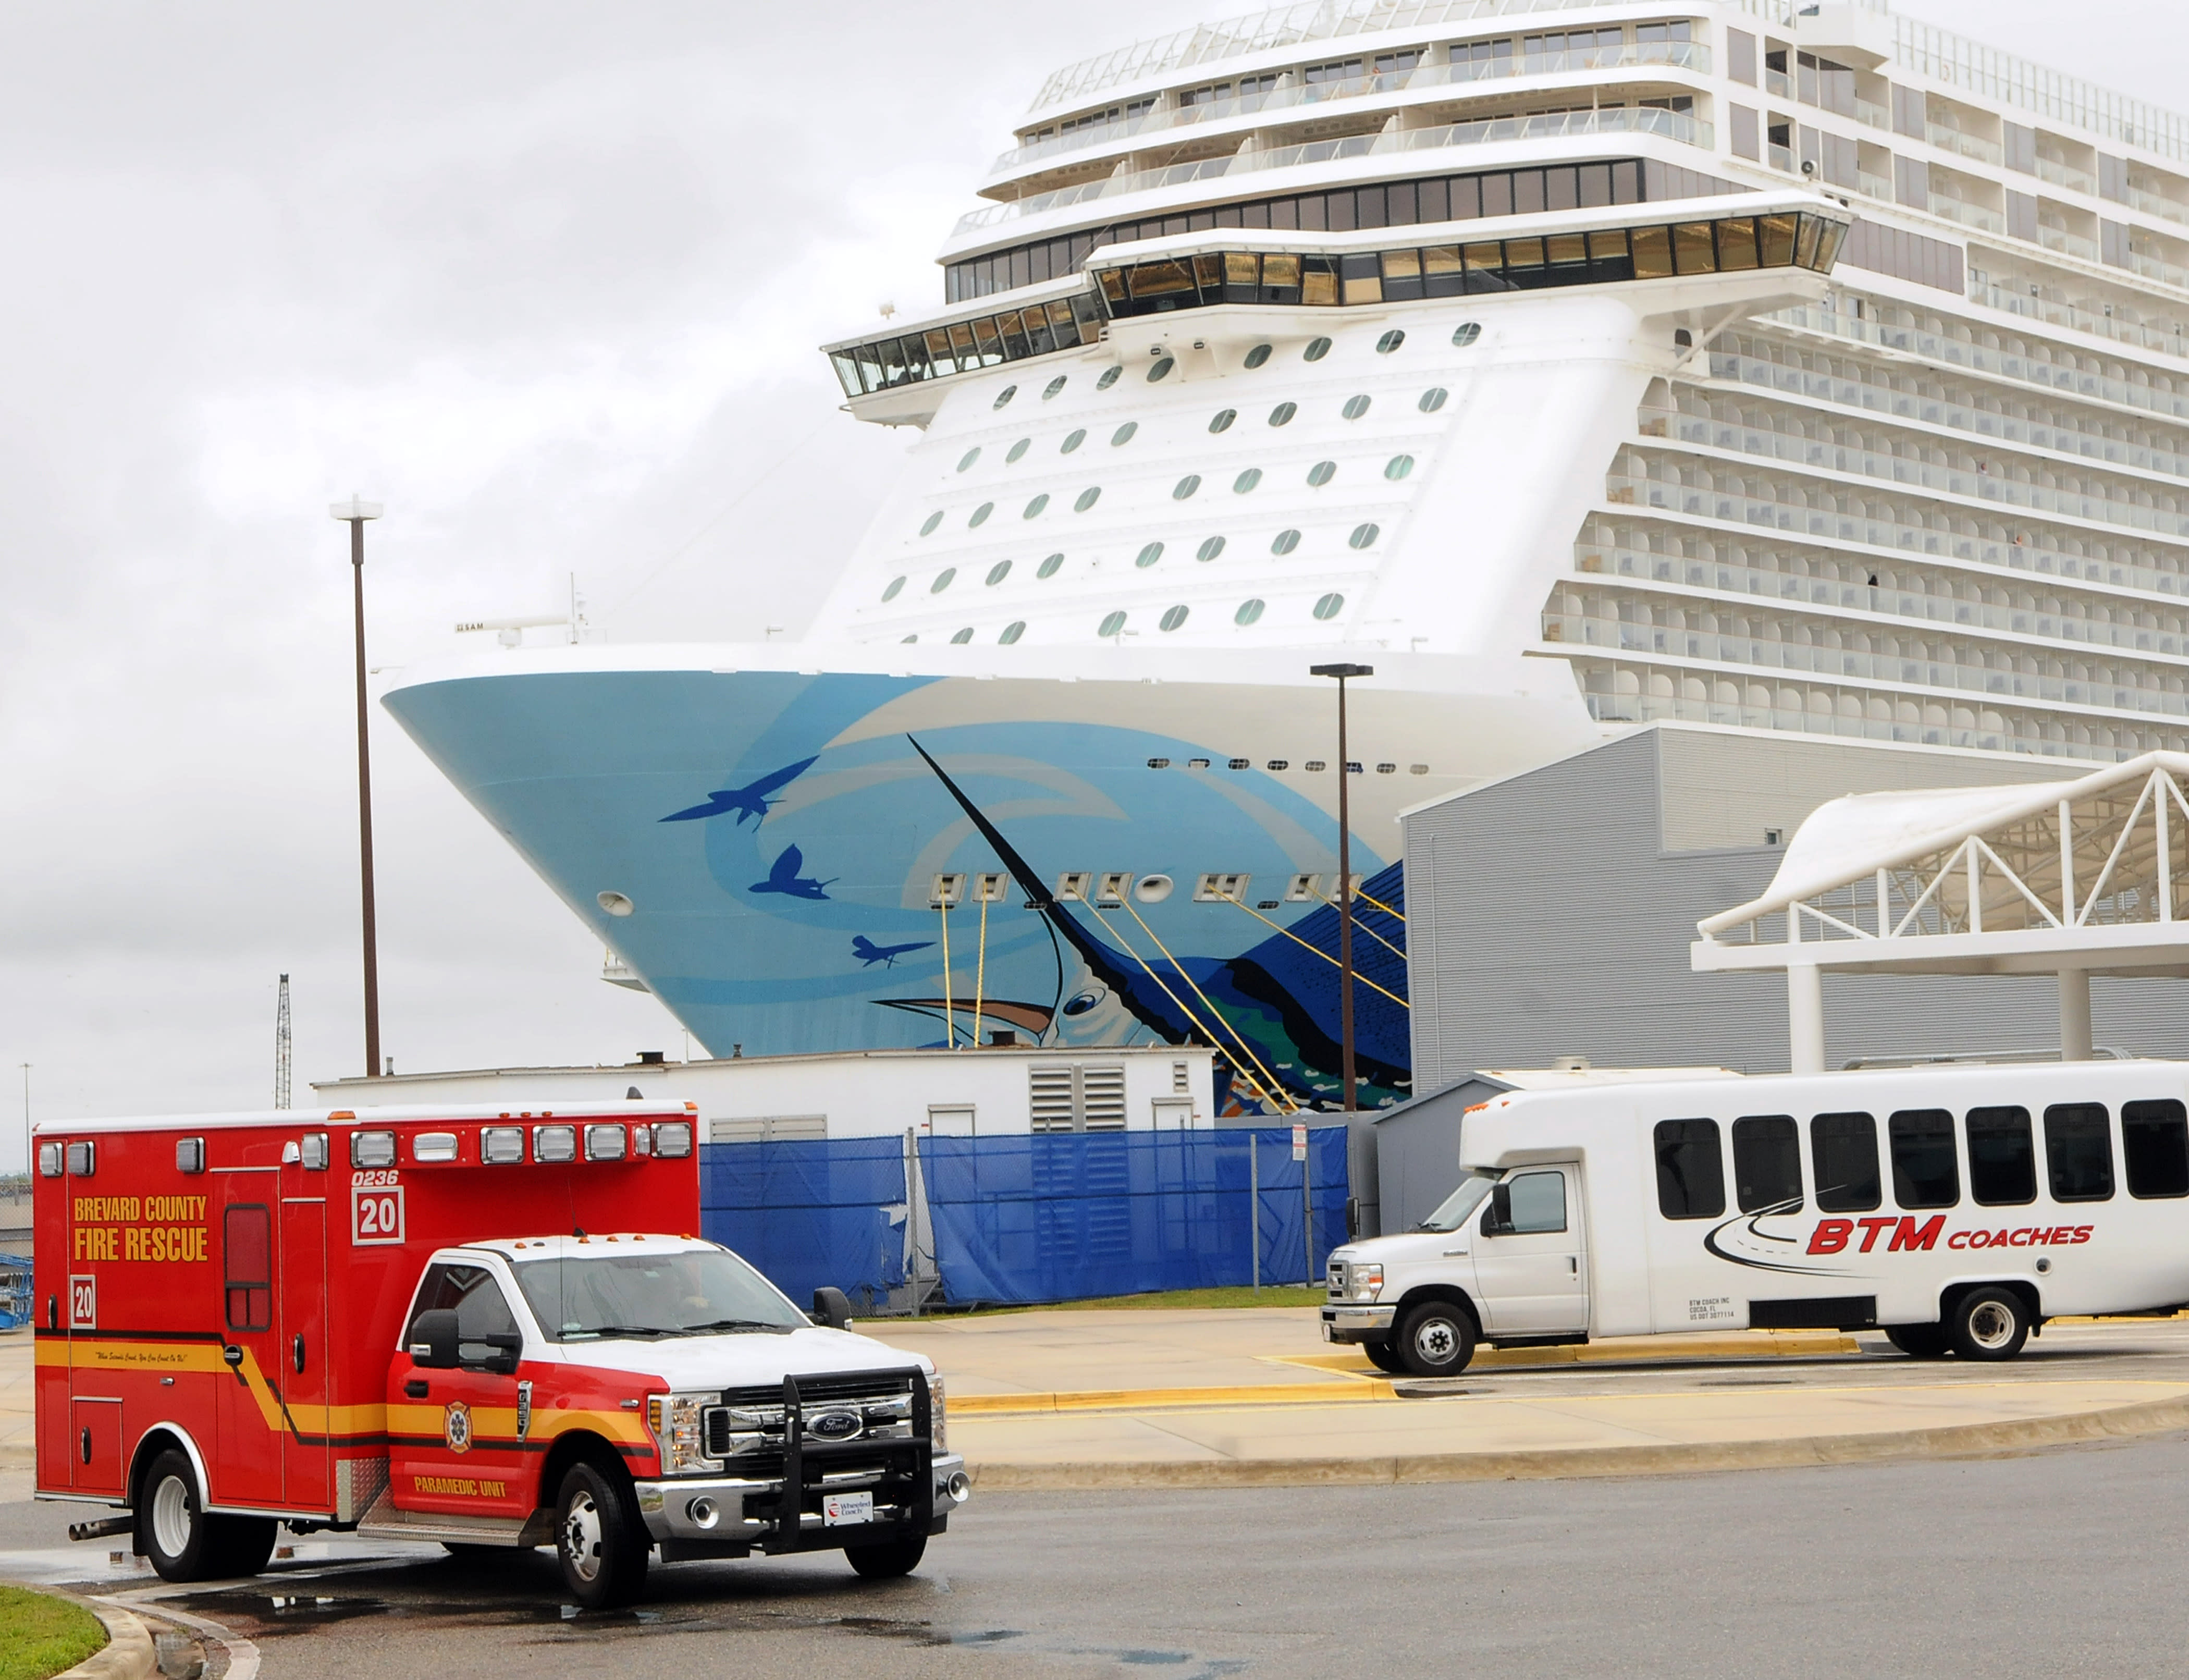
x: 981, y: 514
x: 1285, y: 542
x: 1398, y: 467
x: 1017, y: 451
x: 1258, y: 355
x: 1432, y: 399
x: 1387, y: 770
x: 896, y: 588
x: 962, y: 636
x: 1088, y: 498
x: 1034, y: 508
x: 1053, y: 387
x: 1124, y: 434
x: 1161, y: 369
x: 1109, y: 377
x: 1048, y: 568
x: 1322, y: 473
x: 914, y: 636
x: 1012, y: 631
x: 967, y: 459
x: 1282, y: 414
x: 1005, y: 395
x: 1364, y: 536
x: 1174, y: 616
x: 1248, y: 612
x: 1112, y: 625
x: 942, y: 579
x: 998, y: 572
x: 1247, y: 481
x: 1072, y: 443
x: 1317, y: 348
x: 1185, y: 487
x: 1210, y: 550
x: 1390, y: 341
x: 1330, y: 607
x: 927, y: 528
x: 1154, y: 888
x: 1465, y: 334
x: 1222, y: 419
x: 1148, y: 555
x: 1356, y: 406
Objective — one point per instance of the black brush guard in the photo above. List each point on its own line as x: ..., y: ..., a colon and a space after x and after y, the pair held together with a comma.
x: 906, y: 1482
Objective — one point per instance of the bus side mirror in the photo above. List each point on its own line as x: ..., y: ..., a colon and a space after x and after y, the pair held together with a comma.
x: 433, y: 1340
x: 832, y: 1309
x: 1497, y: 1217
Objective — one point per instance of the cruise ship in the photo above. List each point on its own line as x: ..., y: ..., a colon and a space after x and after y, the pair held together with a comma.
x: 1569, y: 364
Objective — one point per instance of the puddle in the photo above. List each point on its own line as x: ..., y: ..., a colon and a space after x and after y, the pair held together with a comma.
x: 1746, y: 1382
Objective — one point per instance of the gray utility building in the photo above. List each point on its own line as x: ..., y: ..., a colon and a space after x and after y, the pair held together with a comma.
x: 1549, y: 915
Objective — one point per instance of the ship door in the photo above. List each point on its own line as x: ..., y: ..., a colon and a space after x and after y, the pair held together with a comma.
x: 306, y: 1381
x: 248, y: 1470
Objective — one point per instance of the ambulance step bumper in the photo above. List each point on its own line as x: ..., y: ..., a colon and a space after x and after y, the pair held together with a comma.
x: 713, y: 1508
x: 384, y: 1522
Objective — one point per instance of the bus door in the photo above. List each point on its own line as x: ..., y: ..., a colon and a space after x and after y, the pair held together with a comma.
x: 305, y: 1380
x: 1531, y: 1263
x: 248, y: 1412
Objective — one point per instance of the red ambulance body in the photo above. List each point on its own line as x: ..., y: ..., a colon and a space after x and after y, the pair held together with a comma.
x: 456, y: 1324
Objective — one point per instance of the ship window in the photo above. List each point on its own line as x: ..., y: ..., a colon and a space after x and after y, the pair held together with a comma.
x: 896, y: 587
x: 1258, y: 355
x: 1016, y: 451
x: 1012, y: 631
x: 1282, y: 414
x: 1330, y: 605
x: 981, y: 513
x: 1148, y: 555
x: 1053, y: 386
x: 1174, y: 616
x: 1285, y: 542
x: 1185, y: 487
x: 1088, y: 498
x: 1034, y: 508
x: 927, y: 528
x: 1109, y: 377
x: 1432, y: 399
x: 1317, y: 348
x: 1390, y: 341
x: 1247, y: 481
x: 1653, y: 252
x: 967, y: 459
x: 1248, y: 612
x: 942, y: 580
x: 1398, y: 467
x: 1465, y: 334
x: 1072, y: 443
x: 1210, y: 550
x: 914, y: 636
x: 1124, y: 434
x: 1112, y: 625
x: 1222, y: 420
x: 963, y: 635
x: 998, y: 572
x: 1048, y: 568
x: 1322, y: 473
x: 1161, y: 369
x: 1005, y: 395
x: 1356, y: 406
x: 1364, y: 536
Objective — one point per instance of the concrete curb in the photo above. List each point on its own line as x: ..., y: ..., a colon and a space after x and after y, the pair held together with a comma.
x: 128, y: 1654
x: 1951, y: 1441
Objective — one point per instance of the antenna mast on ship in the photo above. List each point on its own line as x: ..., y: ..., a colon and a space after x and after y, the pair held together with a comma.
x: 281, y: 1047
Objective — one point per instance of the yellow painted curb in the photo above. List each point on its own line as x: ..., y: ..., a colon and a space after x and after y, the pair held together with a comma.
x: 1740, y: 1344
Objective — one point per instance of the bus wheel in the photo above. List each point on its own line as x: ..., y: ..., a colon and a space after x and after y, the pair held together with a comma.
x: 1989, y: 1324
x: 1384, y: 1356
x: 1919, y: 1341
x: 1437, y: 1340
x: 170, y: 1528
x: 598, y: 1539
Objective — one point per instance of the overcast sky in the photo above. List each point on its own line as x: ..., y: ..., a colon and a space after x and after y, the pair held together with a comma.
x: 547, y: 279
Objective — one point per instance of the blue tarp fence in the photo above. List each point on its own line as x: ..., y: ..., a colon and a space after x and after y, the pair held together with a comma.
x: 811, y: 1213
x: 14, y: 1291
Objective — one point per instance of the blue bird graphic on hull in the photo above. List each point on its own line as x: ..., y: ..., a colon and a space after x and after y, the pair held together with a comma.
x: 782, y: 877
x: 751, y: 800
x: 869, y: 953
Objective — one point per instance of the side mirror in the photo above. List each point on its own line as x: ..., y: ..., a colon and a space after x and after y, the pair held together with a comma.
x: 433, y: 1340
x: 1497, y: 1217
x: 507, y: 1346
x: 832, y: 1308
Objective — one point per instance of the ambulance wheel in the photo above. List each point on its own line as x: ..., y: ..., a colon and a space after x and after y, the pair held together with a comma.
x: 599, y: 1539
x: 1436, y: 1340
x: 1989, y: 1324
x: 1384, y: 1356
x: 1919, y: 1341
x: 889, y: 1560
x: 241, y: 1545
x: 171, y: 1528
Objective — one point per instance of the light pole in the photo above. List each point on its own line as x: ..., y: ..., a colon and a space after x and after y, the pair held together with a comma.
x: 353, y: 513
x: 1344, y: 876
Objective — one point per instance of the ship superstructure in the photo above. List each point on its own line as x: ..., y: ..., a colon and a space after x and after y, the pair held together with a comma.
x: 1574, y: 365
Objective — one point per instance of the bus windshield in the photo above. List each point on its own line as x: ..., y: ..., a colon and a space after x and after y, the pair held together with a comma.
x: 702, y: 1292
x: 1461, y: 1203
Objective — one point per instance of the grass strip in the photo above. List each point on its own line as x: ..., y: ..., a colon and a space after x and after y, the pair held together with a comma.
x: 42, y: 1635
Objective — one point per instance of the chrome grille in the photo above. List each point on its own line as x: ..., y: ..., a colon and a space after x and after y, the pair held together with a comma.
x: 746, y: 1431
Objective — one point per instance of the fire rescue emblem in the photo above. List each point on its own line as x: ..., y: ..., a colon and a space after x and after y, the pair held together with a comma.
x: 457, y: 1427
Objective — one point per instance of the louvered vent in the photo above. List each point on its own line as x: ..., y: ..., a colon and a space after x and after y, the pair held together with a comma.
x: 1051, y: 1091
x: 1103, y: 1098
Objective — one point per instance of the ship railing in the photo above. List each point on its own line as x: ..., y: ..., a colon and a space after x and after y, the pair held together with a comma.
x: 1616, y: 120
x: 1650, y: 708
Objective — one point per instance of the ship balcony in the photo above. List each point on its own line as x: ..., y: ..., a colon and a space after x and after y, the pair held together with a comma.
x: 1966, y: 145
x: 2066, y: 175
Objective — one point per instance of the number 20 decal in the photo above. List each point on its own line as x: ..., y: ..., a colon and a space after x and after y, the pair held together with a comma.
x: 375, y: 1215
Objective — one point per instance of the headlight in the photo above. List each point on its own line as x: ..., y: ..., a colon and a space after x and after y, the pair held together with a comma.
x: 679, y: 1425
x: 1368, y: 1280
x: 938, y: 1422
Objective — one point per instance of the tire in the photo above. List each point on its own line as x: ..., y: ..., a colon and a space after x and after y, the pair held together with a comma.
x: 1436, y: 1340
x: 1919, y: 1341
x: 599, y: 1539
x: 1384, y: 1356
x: 172, y: 1529
x: 240, y: 1545
x: 1989, y: 1324
x: 889, y: 1560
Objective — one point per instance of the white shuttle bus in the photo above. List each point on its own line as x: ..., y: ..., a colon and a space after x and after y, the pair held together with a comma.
x: 1955, y: 1208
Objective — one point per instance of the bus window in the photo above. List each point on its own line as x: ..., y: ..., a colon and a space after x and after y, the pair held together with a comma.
x: 1925, y: 1174
x: 2002, y: 1157
x: 2155, y: 1148
x: 1766, y: 1163
x: 1690, y: 1171
x: 2078, y: 1149
x: 1843, y: 1151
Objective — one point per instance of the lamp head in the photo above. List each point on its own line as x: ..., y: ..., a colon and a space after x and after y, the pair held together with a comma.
x: 1341, y: 672
x: 355, y: 508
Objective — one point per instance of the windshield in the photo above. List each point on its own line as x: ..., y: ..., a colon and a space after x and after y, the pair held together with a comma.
x: 1460, y: 1203
x: 701, y: 1292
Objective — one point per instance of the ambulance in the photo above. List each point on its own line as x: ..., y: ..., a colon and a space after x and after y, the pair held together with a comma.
x: 1955, y: 1208
x: 455, y: 1324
